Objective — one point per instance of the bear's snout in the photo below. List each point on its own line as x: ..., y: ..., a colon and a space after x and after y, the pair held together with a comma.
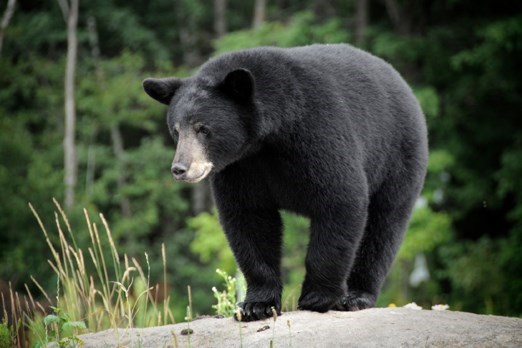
x: 179, y: 170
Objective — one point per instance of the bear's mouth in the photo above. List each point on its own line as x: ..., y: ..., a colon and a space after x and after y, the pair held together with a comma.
x: 198, y: 172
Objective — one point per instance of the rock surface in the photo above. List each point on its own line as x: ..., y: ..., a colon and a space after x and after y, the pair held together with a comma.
x: 378, y: 327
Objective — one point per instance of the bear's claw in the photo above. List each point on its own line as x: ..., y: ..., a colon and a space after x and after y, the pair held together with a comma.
x: 357, y: 300
x: 353, y: 301
x: 250, y: 311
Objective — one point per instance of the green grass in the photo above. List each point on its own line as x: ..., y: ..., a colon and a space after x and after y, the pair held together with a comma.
x: 7, y: 335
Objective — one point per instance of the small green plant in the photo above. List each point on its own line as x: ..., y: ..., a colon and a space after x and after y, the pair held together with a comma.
x: 60, y: 328
x: 226, y: 299
x: 7, y: 335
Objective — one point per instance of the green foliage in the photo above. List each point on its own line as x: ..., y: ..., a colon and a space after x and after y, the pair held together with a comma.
x: 510, y: 260
x: 295, y: 242
x: 210, y: 242
x: 303, y: 29
x: 402, y: 50
x: 473, y: 280
x: 28, y: 166
x: 427, y: 231
x: 7, y: 335
x: 429, y: 101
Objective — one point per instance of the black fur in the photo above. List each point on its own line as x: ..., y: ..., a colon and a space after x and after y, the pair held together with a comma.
x: 326, y: 131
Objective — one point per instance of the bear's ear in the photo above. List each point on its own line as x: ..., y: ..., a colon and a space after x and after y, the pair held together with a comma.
x: 239, y: 84
x: 162, y: 89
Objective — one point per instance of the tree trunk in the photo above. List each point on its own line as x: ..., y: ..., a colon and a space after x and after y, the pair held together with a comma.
x: 91, y: 166
x: 361, y: 21
x: 282, y: 5
x: 92, y: 29
x: 188, y: 36
x: 220, y: 23
x: 259, y: 13
x: 116, y: 137
x: 6, y: 18
x: 397, y: 17
x: 70, y: 107
x: 91, y: 154
x: 117, y: 146
x: 324, y: 9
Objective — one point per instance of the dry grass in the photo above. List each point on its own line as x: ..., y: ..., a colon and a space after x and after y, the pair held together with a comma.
x: 99, y: 287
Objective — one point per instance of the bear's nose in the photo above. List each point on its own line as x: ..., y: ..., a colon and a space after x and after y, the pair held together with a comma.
x: 179, y: 170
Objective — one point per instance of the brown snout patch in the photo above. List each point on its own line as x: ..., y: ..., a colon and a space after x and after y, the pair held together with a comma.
x: 191, y: 153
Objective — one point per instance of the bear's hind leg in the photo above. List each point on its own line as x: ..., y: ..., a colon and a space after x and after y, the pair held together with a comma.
x: 387, y: 221
x: 331, y: 252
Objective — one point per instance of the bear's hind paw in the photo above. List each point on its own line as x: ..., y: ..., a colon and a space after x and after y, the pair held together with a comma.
x: 357, y: 300
x: 317, y: 302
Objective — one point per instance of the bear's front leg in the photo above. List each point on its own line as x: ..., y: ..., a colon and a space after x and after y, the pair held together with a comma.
x: 253, y: 228
x: 331, y: 254
x: 255, y: 239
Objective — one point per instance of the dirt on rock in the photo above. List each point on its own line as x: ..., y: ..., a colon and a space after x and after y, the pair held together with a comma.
x: 378, y: 327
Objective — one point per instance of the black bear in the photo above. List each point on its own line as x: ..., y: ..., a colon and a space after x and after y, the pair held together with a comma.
x: 326, y: 131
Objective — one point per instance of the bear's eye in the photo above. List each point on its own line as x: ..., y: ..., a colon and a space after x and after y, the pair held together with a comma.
x: 173, y: 132
x: 201, y: 129
x: 175, y: 129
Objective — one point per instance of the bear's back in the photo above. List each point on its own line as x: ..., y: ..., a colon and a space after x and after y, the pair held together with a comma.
x: 323, y: 72
x: 334, y: 57
x: 336, y: 90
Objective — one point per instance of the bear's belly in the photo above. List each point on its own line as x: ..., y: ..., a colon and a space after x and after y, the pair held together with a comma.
x: 295, y: 193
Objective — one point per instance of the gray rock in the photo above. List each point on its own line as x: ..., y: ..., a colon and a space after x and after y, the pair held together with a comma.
x: 378, y: 327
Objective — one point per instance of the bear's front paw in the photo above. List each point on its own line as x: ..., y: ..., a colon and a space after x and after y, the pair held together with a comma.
x: 318, y: 302
x: 251, y: 311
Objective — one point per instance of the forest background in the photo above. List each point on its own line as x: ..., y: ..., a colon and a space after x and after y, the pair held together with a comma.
x: 109, y: 151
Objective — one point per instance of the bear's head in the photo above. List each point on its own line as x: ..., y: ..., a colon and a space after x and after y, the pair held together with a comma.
x: 212, y: 120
